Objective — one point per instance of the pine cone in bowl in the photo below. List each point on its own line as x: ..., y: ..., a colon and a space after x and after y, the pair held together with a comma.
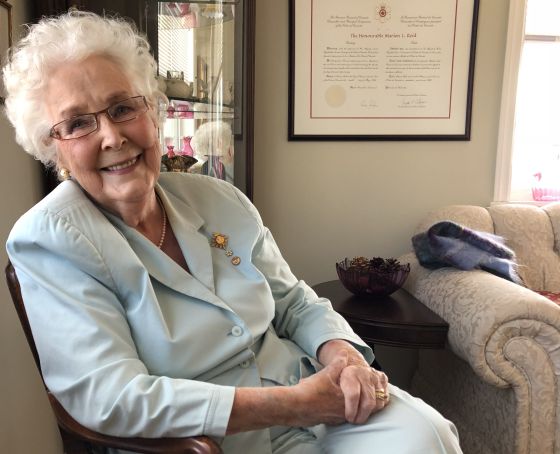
x: 374, y: 277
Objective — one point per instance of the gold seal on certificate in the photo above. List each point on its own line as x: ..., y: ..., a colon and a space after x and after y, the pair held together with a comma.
x: 335, y: 95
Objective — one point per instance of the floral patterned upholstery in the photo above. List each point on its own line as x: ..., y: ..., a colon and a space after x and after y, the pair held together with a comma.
x: 498, y: 379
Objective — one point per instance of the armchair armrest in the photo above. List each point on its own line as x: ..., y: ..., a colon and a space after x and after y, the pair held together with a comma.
x: 190, y: 445
x: 493, y: 323
x: 509, y: 335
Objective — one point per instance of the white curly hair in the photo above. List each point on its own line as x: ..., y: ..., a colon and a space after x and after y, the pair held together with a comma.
x: 70, y: 37
x: 213, y: 138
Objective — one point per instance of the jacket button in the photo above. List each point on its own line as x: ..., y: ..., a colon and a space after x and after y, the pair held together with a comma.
x: 293, y: 379
x: 237, y: 331
x: 245, y: 364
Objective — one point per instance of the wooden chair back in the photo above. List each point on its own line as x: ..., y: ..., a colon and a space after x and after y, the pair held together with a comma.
x: 78, y: 439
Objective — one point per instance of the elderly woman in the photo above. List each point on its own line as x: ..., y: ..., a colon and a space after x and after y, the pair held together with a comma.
x: 160, y: 304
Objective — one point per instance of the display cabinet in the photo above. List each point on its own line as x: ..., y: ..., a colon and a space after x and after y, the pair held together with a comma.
x: 204, y: 53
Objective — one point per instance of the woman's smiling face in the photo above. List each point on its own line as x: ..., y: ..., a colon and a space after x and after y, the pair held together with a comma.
x: 119, y: 163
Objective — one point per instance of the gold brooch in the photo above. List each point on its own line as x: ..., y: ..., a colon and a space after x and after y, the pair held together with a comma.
x: 220, y: 241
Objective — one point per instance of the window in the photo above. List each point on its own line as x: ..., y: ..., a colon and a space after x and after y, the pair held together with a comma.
x: 528, y: 160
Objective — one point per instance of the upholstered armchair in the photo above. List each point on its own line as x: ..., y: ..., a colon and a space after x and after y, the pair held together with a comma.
x: 499, y: 377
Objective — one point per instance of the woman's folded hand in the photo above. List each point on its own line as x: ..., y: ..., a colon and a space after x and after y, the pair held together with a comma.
x: 365, y: 392
x: 343, y: 391
x: 364, y: 388
x: 320, y: 398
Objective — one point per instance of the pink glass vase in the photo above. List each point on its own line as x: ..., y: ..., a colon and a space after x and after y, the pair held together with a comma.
x: 187, y: 149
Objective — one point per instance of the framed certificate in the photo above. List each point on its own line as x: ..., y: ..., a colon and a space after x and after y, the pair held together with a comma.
x: 381, y: 69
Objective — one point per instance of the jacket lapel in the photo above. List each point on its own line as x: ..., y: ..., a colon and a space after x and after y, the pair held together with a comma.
x: 199, y: 283
x: 191, y: 237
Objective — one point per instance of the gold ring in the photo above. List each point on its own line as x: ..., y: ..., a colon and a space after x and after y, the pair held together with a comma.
x: 381, y: 395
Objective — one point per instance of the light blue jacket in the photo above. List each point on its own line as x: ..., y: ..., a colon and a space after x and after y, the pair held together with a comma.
x: 133, y: 345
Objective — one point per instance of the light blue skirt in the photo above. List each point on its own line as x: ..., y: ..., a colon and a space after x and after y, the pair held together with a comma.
x: 406, y: 426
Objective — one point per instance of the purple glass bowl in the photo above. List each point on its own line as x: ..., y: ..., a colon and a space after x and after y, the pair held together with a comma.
x: 371, y: 282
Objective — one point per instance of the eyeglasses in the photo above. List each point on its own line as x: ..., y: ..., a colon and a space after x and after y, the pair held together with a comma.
x: 82, y: 125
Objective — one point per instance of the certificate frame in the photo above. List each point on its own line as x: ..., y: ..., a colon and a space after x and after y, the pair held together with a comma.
x: 413, y: 63
x: 5, y: 37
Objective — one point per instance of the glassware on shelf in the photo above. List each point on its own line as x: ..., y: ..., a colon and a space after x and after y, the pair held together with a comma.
x: 187, y: 149
x: 169, y: 146
x: 180, y: 109
x: 180, y: 161
x: 184, y: 110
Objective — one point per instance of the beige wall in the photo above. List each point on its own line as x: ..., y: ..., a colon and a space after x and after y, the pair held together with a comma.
x: 26, y: 423
x: 327, y: 200
x: 322, y: 200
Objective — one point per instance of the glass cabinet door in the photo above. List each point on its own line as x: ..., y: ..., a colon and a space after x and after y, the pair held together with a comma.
x: 199, y: 48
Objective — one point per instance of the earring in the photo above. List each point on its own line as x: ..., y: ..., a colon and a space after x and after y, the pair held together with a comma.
x: 64, y: 173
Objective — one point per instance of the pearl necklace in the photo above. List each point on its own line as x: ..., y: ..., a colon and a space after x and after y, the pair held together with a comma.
x: 163, y: 223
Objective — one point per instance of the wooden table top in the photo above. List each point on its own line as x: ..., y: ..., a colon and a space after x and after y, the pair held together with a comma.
x: 395, y: 320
